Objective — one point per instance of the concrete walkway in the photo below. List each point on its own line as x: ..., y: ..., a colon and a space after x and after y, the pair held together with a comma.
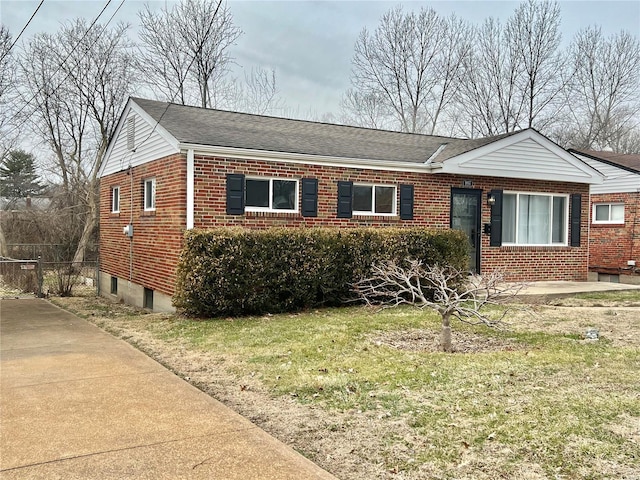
x: 544, y: 290
x: 77, y: 403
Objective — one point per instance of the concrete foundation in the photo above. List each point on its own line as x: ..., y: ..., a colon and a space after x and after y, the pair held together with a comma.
x: 134, y: 294
x: 614, y: 278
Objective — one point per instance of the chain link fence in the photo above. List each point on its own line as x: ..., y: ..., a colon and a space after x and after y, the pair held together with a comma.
x: 39, y: 277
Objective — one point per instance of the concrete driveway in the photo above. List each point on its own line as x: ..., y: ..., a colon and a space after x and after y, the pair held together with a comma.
x: 77, y: 403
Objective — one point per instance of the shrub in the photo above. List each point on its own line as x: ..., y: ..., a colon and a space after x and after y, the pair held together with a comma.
x: 235, y: 271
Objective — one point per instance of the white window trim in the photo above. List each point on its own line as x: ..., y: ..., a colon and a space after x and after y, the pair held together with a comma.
x: 115, y: 193
x: 607, y: 222
x: 153, y: 194
x: 566, y: 216
x: 270, y: 208
x: 394, y: 207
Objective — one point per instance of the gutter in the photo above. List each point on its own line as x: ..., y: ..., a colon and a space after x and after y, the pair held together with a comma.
x: 308, y: 159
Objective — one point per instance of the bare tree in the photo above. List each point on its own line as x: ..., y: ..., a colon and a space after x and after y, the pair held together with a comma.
x: 255, y: 93
x: 411, y: 63
x: 74, y: 83
x: 534, y: 30
x: 604, y: 92
x: 7, y: 87
x: 489, y: 93
x: 367, y: 110
x: 7, y: 90
x: 444, y: 289
x: 187, y: 46
x: 513, y: 78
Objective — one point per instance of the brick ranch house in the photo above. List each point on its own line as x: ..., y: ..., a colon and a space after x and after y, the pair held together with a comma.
x: 614, y: 235
x: 522, y: 200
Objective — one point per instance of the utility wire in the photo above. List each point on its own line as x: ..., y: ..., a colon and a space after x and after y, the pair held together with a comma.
x: 33, y: 97
x: 21, y: 32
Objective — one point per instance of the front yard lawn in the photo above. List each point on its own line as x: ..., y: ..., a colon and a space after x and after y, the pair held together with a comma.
x: 368, y: 395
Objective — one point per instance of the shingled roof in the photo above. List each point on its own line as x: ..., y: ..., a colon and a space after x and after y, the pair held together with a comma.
x: 210, y: 127
x: 627, y: 161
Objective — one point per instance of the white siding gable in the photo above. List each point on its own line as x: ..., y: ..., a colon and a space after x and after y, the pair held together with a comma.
x: 150, y: 141
x: 617, y: 180
x: 526, y: 155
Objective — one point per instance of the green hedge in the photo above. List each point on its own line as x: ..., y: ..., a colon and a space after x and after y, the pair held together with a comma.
x: 235, y: 271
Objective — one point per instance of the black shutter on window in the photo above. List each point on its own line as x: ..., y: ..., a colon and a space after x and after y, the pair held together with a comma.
x: 235, y: 194
x: 406, y: 202
x: 345, y: 199
x: 576, y: 215
x: 309, y: 197
x: 496, y: 219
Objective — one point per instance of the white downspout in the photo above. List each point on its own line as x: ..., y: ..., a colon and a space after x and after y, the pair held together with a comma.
x: 190, y: 188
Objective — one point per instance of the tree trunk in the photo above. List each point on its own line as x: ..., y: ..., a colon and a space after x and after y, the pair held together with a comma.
x: 3, y: 244
x: 446, y: 333
x: 90, y: 225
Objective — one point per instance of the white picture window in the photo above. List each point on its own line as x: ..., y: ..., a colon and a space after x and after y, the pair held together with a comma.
x: 150, y: 194
x: 374, y: 199
x: 608, y: 213
x: 535, y: 219
x: 115, y: 200
x: 271, y: 195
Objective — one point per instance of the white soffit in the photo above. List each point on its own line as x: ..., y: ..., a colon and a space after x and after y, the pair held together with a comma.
x: 527, y: 155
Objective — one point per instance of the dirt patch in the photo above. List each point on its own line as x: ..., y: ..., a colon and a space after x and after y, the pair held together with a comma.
x: 419, y: 340
x: 619, y: 325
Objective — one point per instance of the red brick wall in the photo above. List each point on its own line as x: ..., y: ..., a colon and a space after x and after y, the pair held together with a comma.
x: 157, y: 239
x: 431, y: 208
x: 611, y: 246
x: 152, y: 254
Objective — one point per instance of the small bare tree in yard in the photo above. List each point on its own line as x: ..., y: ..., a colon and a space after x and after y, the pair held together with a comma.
x: 445, y: 289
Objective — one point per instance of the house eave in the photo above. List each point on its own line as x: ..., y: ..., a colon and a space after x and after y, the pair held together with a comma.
x: 307, y: 159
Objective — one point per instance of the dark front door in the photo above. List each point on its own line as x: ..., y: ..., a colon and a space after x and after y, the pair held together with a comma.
x: 466, y: 216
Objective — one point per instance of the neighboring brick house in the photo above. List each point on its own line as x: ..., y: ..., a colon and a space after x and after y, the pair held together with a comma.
x: 614, y: 234
x: 522, y: 200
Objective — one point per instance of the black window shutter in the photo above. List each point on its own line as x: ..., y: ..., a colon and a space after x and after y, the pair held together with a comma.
x: 406, y: 202
x: 496, y: 219
x: 576, y: 214
x: 309, y: 197
x: 345, y: 199
x: 235, y: 194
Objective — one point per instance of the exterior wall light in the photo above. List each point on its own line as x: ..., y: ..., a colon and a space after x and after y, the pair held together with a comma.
x: 491, y: 199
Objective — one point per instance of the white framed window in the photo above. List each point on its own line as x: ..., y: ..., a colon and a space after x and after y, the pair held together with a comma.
x: 115, y: 200
x: 608, y: 213
x: 535, y: 219
x: 271, y: 195
x: 150, y: 194
x: 374, y: 199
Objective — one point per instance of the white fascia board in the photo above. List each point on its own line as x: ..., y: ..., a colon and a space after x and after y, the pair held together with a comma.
x: 306, y: 159
x: 463, y: 164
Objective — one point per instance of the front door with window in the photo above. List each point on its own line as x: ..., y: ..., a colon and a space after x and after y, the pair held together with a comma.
x: 466, y: 216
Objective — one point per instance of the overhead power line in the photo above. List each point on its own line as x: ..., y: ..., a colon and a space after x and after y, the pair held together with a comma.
x: 95, y: 20
x: 21, y: 32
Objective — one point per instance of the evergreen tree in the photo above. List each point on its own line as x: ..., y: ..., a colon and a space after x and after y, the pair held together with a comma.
x: 18, y: 177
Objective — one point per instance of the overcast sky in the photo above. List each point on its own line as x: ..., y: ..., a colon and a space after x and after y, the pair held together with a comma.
x: 310, y: 43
